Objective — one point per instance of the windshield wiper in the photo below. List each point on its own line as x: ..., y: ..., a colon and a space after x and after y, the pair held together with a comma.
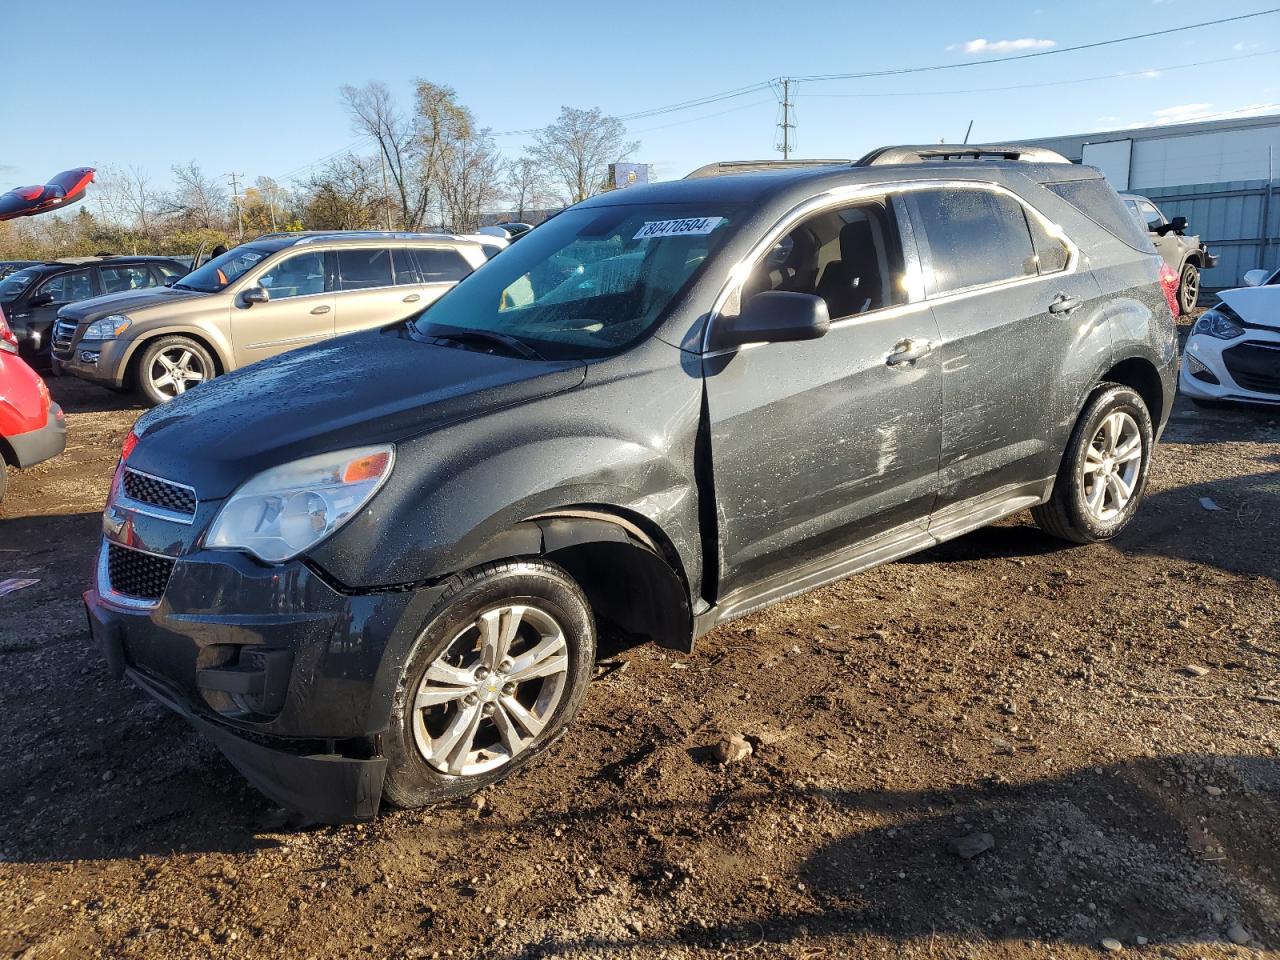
x: 488, y: 336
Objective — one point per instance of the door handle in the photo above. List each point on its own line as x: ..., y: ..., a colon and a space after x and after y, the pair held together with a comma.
x: 1064, y: 304
x: 909, y: 351
x: 318, y: 311
x: 413, y: 298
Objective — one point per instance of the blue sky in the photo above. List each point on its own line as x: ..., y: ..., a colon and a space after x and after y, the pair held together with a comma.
x: 254, y: 87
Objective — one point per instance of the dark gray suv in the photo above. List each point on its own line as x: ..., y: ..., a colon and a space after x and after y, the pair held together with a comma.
x: 376, y: 567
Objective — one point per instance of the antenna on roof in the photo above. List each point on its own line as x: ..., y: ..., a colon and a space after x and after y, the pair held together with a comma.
x: 967, y: 132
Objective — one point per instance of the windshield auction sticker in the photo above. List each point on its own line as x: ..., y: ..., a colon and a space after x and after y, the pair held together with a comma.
x: 692, y: 227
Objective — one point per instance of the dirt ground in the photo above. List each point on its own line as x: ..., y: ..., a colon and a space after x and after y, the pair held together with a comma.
x: 1000, y: 684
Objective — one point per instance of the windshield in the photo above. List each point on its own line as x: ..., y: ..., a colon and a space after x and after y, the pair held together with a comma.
x: 221, y: 271
x: 12, y: 286
x: 588, y: 283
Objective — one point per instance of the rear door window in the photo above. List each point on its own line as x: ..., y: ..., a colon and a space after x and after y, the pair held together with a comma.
x: 442, y: 264
x: 364, y: 268
x: 972, y: 238
x: 121, y: 278
x: 406, y: 267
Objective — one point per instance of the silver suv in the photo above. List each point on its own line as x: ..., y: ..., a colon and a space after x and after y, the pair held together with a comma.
x: 266, y: 296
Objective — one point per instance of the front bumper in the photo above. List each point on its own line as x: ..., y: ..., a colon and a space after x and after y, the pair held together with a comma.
x: 99, y: 361
x: 1208, y: 355
x: 291, y: 680
x: 43, y: 443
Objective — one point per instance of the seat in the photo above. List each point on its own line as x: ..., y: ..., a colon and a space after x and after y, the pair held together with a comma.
x: 853, y: 284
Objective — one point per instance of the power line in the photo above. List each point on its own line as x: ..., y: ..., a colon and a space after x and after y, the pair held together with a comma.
x: 1026, y: 86
x: 899, y: 71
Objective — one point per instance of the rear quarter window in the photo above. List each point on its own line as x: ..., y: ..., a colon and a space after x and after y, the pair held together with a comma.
x: 1101, y: 204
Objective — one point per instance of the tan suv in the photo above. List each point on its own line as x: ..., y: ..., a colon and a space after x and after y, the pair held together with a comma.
x: 264, y: 297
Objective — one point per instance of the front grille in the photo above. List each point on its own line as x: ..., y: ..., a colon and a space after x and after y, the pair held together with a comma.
x: 63, y: 334
x: 159, y: 493
x: 136, y: 574
x: 1254, y: 366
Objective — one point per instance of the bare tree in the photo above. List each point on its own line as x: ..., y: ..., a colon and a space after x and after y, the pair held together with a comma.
x: 374, y: 113
x: 525, y: 185
x: 345, y: 195
x: 127, y: 200
x: 470, y: 179
x: 577, y: 149
x: 200, y: 201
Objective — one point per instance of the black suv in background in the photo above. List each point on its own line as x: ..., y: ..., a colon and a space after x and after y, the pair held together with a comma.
x: 31, y: 296
x: 666, y: 407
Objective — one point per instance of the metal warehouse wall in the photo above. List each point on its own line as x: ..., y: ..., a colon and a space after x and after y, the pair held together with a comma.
x: 1221, y: 175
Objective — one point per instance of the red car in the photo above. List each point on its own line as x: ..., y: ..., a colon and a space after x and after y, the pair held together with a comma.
x: 32, y: 426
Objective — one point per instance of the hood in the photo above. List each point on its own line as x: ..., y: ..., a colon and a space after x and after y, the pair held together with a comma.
x: 377, y: 386
x: 1259, y: 306
x: 127, y: 301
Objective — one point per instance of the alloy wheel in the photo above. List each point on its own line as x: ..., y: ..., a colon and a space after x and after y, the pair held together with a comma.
x: 176, y: 370
x: 1190, y: 288
x: 1112, y: 462
x: 495, y: 687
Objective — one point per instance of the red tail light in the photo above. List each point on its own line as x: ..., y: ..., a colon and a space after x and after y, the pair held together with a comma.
x: 8, y: 342
x: 1169, y: 283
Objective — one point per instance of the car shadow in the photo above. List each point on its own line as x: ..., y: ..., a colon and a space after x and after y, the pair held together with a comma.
x: 80, y: 396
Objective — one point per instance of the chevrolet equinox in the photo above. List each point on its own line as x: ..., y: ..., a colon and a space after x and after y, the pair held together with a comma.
x: 376, y: 567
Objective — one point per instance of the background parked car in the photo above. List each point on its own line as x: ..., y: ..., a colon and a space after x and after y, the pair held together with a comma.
x: 1233, y: 352
x: 1186, y: 256
x: 32, y: 296
x: 32, y: 428
x: 13, y: 266
x: 269, y: 295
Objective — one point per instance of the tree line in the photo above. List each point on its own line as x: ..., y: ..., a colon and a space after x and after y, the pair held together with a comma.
x: 428, y: 166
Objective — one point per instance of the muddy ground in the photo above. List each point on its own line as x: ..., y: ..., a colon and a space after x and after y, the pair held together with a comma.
x: 999, y: 684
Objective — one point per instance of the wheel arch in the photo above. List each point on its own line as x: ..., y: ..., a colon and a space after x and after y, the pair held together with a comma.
x: 139, y: 347
x: 627, y: 567
x: 1140, y: 374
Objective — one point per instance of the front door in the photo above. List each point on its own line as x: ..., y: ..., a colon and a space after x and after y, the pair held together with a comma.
x: 299, y: 311
x: 821, y: 444
x: 46, y: 300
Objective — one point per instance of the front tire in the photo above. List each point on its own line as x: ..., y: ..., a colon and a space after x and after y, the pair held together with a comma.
x: 1188, y: 288
x: 496, y: 676
x: 1104, y: 472
x: 169, y: 367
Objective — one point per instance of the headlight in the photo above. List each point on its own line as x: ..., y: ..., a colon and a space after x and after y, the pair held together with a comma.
x: 108, y: 328
x: 285, y: 510
x: 1220, y: 323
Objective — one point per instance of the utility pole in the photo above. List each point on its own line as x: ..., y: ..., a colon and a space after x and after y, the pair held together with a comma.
x: 786, y: 124
x: 235, y: 191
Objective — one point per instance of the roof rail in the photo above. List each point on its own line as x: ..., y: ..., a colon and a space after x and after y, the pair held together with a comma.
x: 724, y: 167
x: 929, y: 153
x: 328, y: 236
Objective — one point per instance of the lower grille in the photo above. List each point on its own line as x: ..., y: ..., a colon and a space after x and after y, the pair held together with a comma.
x: 136, y: 574
x: 1255, y: 366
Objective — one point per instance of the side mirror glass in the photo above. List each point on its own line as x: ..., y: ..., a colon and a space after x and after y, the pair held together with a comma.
x: 255, y: 295
x: 1256, y: 278
x: 41, y: 300
x: 1178, y: 224
x: 775, y: 316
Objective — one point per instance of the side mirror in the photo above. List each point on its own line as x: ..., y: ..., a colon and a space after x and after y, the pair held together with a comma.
x: 1256, y: 278
x: 775, y: 316
x: 1177, y: 225
x: 255, y: 295
x: 40, y: 300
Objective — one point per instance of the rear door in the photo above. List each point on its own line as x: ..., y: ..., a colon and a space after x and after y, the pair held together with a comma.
x: 818, y: 445
x: 441, y: 267
x: 1013, y: 311
x: 299, y: 312
x: 366, y: 291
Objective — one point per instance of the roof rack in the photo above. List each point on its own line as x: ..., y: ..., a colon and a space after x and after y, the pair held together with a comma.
x: 929, y: 153
x: 724, y: 167
x: 328, y: 236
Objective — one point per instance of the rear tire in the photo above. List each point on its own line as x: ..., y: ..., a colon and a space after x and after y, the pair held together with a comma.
x: 497, y: 674
x: 169, y: 367
x: 1188, y: 288
x: 1104, y: 471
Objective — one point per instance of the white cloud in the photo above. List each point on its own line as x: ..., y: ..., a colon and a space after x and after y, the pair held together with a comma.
x: 981, y: 45
x: 1190, y: 112
x: 1241, y: 47
x: 1181, y: 111
x: 1149, y: 74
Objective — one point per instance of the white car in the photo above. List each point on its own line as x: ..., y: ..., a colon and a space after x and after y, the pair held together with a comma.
x: 1233, y: 352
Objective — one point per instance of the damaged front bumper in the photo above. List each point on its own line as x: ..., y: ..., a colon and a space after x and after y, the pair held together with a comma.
x: 293, y: 682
